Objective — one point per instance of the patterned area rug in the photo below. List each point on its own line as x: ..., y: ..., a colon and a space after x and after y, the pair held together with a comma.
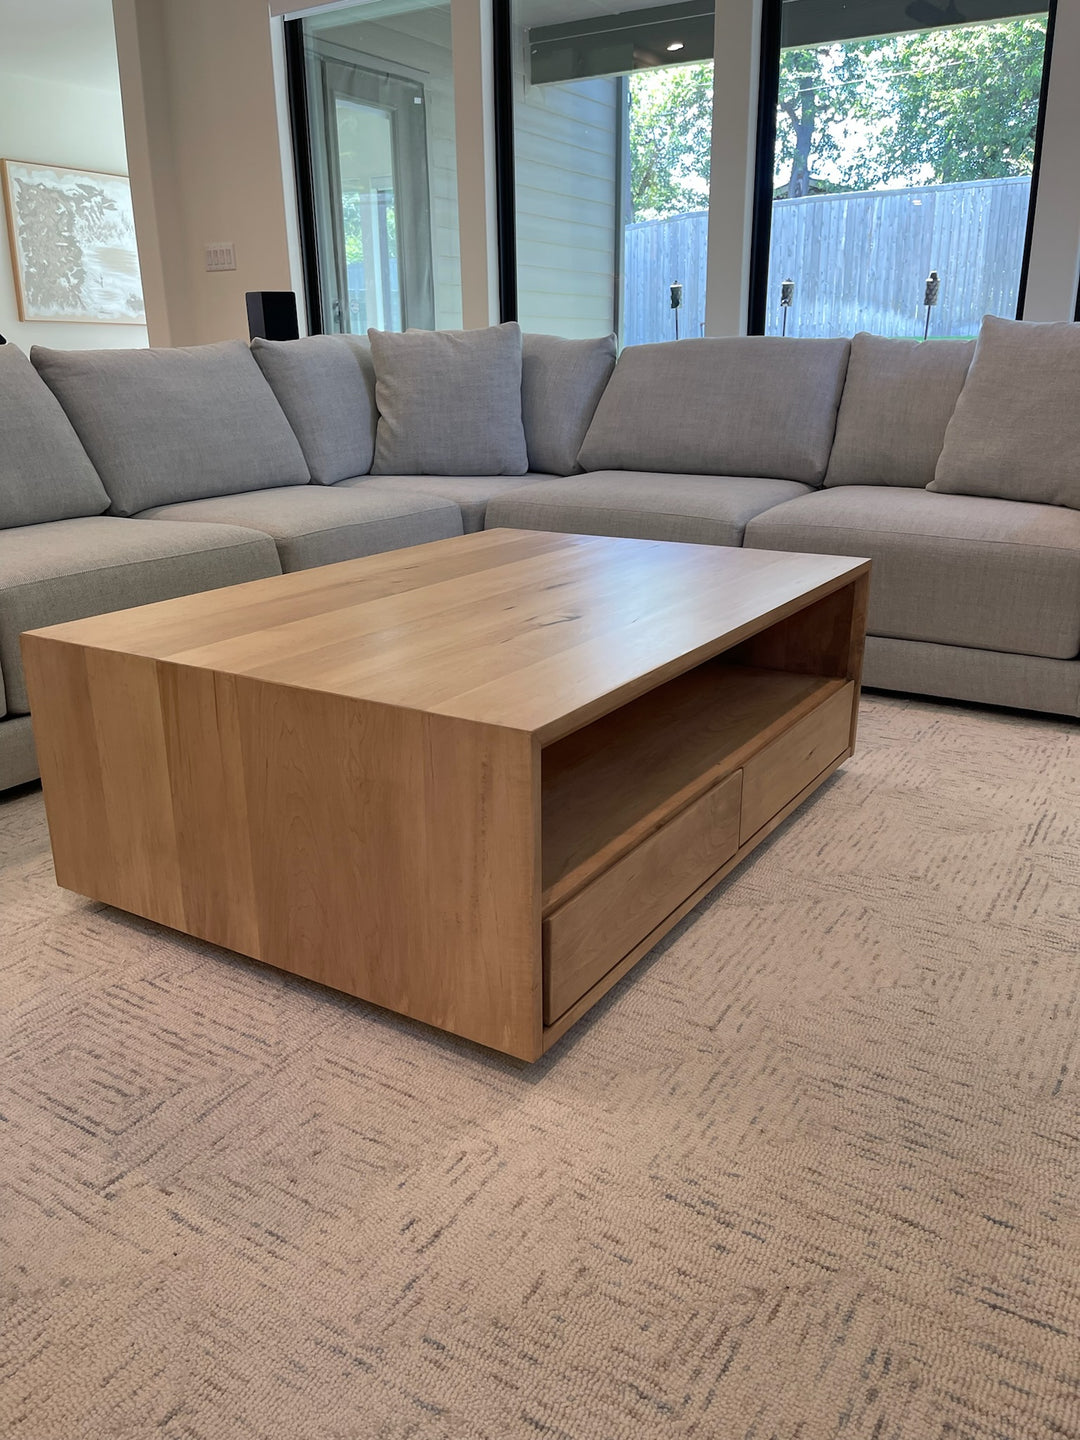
x: 811, y: 1171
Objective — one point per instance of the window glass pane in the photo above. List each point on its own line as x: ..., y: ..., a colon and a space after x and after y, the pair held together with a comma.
x: 381, y: 119
x: 612, y: 125
x: 901, y: 157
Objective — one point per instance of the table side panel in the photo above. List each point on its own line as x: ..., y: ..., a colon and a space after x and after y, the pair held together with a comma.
x: 102, y: 753
x: 389, y: 854
x: 396, y: 857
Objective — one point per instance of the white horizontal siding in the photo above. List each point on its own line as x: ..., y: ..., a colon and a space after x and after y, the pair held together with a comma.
x: 565, y: 148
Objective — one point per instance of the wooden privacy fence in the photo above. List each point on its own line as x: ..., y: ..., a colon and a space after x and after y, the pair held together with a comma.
x: 859, y: 262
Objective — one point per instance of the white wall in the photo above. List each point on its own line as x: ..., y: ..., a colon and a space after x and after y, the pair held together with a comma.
x: 201, y: 113
x: 66, y: 125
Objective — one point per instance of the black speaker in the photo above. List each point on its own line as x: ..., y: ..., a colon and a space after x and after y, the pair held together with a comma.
x: 272, y: 315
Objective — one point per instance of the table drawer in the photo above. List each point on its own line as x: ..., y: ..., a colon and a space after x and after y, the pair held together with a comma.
x: 595, y: 928
x: 779, y: 772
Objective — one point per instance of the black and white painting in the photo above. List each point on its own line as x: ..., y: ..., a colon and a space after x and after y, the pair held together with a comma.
x: 73, y: 245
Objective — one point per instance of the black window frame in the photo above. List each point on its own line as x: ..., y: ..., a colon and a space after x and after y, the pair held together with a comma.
x: 761, y: 223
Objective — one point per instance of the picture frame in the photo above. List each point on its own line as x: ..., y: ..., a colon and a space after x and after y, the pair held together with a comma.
x: 74, y: 255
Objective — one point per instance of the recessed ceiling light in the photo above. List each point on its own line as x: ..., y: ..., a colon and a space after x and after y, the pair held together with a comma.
x: 676, y: 45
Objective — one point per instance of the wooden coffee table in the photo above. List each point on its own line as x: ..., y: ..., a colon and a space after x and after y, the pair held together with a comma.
x: 472, y: 782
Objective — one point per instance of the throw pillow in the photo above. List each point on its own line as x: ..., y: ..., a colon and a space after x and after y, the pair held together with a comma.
x: 326, y: 386
x: 898, y: 398
x: 163, y: 426
x: 561, y: 384
x: 449, y: 402
x: 747, y: 406
x: 1015, y: 433
x: 45, y: 474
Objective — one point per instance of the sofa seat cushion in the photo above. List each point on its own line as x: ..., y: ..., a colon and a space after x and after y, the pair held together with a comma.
x: 319, y: 525
x: 68, y: 569
x: 470, y: 493
x: 949, y: 569
x: 326, y: 386
x: 168, y: 425
x: 45, y: 474
x: 699, y: 509
x: 759, y: 405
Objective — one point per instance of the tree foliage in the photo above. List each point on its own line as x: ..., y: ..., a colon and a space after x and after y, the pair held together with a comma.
x: 670, y: 137
x: 936, y: 106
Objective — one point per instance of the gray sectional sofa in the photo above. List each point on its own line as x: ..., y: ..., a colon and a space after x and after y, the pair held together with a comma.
x: 133, y: 476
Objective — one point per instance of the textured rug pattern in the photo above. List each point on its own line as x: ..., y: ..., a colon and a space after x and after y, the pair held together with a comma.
x: 813, y: 1170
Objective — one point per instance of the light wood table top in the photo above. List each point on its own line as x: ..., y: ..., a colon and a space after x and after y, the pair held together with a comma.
x: 525, y: 630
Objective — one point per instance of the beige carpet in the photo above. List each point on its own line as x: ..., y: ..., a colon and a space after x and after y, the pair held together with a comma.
x: 812, y: 1171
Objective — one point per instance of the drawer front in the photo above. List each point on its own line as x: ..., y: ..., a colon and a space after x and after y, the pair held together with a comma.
x: 779, y: 772
x: 592, y: 932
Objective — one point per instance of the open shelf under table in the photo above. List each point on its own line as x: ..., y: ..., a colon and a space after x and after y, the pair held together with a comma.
x: 609, y: 785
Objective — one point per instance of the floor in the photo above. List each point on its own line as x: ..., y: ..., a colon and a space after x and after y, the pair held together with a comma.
x: 812, y: 1170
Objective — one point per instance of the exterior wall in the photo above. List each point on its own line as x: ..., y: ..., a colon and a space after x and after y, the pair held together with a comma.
x: 66, y: 125
x: 567, y: 158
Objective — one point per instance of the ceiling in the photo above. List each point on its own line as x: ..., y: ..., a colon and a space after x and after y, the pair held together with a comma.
x: 66, y: 40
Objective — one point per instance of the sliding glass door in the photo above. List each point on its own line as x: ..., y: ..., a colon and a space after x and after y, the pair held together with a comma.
x: 379, y: 111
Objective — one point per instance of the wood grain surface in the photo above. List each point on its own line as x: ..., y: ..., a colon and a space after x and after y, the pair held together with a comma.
x: 382, y: 775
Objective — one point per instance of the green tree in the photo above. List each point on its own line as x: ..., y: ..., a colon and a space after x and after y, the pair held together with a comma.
x: 953, y: 103
x: 820, y: 95
x: 960, y: 103
x: 670, y: 136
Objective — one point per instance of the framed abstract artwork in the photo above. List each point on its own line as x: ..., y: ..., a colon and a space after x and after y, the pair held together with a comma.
x: 73, y: 248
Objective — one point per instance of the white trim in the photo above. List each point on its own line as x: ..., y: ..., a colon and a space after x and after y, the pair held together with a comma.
x: 1054, y: 267
x: 736, y: 68
x: 475, y: 141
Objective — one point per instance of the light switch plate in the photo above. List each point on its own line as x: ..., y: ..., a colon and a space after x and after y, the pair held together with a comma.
x: 221, y: 256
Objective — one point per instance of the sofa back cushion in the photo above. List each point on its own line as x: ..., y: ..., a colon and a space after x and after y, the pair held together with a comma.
x: 45, y: 474
x: 898, y: 398
x: 326, y: 386
x: 754, y: 405
x: 170, y: 425
x: 449, y: 402
x: 1015, y: 433
x: 561, y: 384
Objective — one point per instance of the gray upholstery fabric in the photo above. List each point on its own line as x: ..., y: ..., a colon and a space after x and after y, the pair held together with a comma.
x: 561, y: 384
x: 71, y: 568
x: 167, y: 425
x: 316, y: 525
x: 699, y: 509
x: 471, y: 493
x: 1015, y: 433
x: 988, y: 677
x: 952, y: 569
x: 449, y: 402
x: 750, y: 406
x: 18, y: 758
x: 45, y: 474
x: 898, y: 397
x: 326, y: 386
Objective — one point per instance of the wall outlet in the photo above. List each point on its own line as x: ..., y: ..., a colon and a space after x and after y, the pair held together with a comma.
x: 221, y: 256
